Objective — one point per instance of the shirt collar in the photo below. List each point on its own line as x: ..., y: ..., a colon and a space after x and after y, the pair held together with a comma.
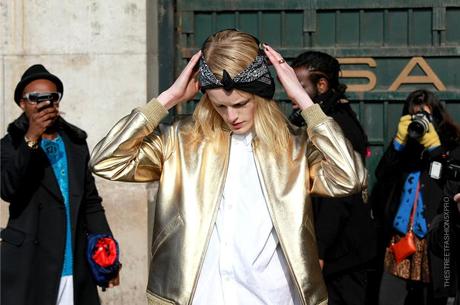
x: 245, y: 139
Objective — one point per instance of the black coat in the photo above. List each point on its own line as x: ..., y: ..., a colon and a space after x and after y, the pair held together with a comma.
x: 344, y: 227
x: 33, y: 243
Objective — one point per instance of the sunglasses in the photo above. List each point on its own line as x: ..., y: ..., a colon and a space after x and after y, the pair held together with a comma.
x: 38, y: 97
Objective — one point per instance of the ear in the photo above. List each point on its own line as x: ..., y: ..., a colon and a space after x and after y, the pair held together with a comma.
x: 322, y: 85
x: 22, y: 104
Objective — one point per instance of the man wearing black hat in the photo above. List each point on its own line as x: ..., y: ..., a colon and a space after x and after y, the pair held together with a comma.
x: 54, y: 203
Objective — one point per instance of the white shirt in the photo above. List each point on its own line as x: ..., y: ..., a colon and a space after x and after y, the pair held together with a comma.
x: 65, y: 294
x: 244, y: 263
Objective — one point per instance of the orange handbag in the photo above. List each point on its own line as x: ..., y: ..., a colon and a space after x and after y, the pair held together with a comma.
x: 405, y: 247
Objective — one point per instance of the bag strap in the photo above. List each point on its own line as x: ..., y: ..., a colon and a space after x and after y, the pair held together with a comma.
x: 414, y: 208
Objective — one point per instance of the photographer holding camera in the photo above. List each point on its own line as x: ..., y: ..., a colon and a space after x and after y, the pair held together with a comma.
x: 408, y: 195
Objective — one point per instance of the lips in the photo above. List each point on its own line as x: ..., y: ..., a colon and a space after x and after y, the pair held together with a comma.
x: 237, y: 125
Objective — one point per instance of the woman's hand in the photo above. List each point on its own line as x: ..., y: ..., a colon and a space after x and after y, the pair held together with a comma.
x: 431, y: 138
x: 401, y: 135
x: 185, y: 87
x: 288, y: 79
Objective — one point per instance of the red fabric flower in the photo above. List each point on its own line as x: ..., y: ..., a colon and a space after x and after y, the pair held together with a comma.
x: 105, y: 252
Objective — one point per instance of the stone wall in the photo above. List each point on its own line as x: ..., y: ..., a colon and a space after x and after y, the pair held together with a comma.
x: 99, y: 50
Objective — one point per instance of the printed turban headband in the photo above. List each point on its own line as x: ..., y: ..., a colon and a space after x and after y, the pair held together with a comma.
x: 255, y: 78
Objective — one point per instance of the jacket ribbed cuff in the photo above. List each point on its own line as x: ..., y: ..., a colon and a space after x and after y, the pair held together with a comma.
x: 154, y: 111
x: 313, y: 115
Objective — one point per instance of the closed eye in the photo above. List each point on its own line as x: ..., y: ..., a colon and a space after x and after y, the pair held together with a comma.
x: 242, y: 104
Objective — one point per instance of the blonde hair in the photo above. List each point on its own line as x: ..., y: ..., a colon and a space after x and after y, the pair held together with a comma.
x: 234, y: 51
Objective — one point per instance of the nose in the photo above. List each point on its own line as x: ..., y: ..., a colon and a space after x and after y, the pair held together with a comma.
x: 232, y: 114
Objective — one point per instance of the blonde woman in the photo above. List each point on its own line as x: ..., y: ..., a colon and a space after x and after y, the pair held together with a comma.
x: 233, y: 220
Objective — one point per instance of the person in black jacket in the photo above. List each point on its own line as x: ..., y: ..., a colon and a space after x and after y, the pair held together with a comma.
x: 53, y: 201
x: 406, y: 196
x: 344, y: 228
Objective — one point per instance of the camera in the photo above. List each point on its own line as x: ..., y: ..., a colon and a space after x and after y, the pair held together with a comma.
x: 419, y: 125
x: 448, y: 169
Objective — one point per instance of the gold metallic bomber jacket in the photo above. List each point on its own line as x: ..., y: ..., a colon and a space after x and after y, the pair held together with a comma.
x: 320, y: 161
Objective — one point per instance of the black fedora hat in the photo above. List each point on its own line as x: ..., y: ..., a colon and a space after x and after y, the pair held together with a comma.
x: 33, y: 73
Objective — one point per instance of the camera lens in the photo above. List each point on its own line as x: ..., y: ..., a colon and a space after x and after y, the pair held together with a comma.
x: 416, y: 130
x: 419, y: 125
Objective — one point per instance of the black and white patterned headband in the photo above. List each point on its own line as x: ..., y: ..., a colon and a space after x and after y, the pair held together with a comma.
x: 256, y: 78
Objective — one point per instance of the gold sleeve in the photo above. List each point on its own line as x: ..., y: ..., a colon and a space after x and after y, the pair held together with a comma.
x: 335, y: 169
x: 132, y: 150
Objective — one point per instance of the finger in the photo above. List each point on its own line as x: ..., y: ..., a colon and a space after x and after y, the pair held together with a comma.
x: 47, y: 118
x: 37, y: 118
x: 193, y: 84
x: 281, y: 67
x: 457, y: 198
x: 275, y: 58
x: 197, y: 84
x: 115, y: 281
x: 46, y: 113
x: 193, y: 62
x: 48, y: 109
x: 195, y: 58
x: 270, y: 55
x: 406, y: 118
x: 271, y: 52
x: 43, y: 105
x: 47, y: 124
x: 189, y: 69
x: 196, y: 75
